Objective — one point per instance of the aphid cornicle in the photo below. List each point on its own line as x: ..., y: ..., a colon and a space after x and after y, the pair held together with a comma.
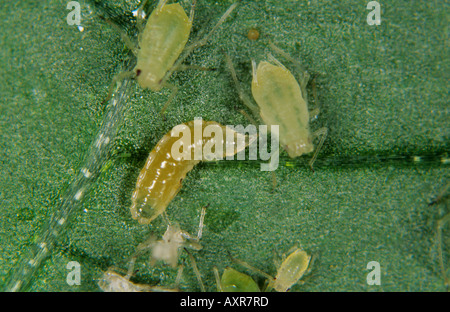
x: 162, y: 176
x: 282, y: 101
x: 161, y: 44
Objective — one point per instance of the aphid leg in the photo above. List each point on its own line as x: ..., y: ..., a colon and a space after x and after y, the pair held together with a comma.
x: 196, y: 271
x: 253, y: 107
x: 160, y: 5
x: 196, y: 67
x: 322, y: 132
x: 131, y: 265
x: 288, y: 57
x: 179, y: 276
x: 314, y: 90
x: 193, y: 242
x: 274, y: 60
x: 314, y: 113
x: 187, y: 50
x: 274, y: 181
x: 218, y: 281
x: 140, y: 18
x: 127, y: 40
x: 251, y: 268
x: 144, y: 246
x: 205, y: 39
x: 443, y: 195
x: 440, y: 225
x: 267, y: 286
x: 191, y: 15
x: 118, y: 78
x: 166, y: 218
x: 174, y: 91
x: 248, y: 117
x: 305, y: 76
x: 291, y: 250
x: 276, y: 258
x: 200, y: 225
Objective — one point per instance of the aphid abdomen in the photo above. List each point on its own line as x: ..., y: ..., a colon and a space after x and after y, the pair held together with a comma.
x: 161, y: 43
x: 281, y: 102
x: 162, y: 176
x: 291, y: 270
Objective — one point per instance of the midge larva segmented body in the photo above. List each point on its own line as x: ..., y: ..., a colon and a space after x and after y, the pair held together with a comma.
x: 162, y: 176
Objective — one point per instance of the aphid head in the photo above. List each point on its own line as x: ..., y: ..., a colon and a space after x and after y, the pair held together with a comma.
x: 299, y: 147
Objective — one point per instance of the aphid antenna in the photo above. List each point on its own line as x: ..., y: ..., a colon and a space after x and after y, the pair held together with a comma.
x: 274, y: 60
x: 251, y: 268
x: 196, y: 271
x: 187, y: 51
x: 200, y: 226
x: 288, y: 57
x: 191, y: 14
x: 217, y: 277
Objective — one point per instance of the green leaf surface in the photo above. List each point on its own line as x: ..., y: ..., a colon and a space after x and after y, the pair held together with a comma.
x: 383, y: 94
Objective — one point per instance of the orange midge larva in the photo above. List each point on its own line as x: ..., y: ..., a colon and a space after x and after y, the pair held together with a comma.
x: 162, y: 176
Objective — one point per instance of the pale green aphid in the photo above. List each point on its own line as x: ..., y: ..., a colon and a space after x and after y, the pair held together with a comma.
x: 289, y: 272
x: 282, y: 101
x: 234, y: 281
x: 162, y: 46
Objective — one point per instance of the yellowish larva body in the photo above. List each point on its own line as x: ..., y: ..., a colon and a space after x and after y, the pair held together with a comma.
x: 162, y: 176
x: 161, y: 43
x: 280, y: 100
